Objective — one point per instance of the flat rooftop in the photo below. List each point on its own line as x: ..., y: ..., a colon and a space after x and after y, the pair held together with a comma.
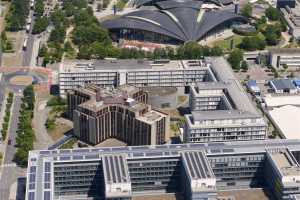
x: 286, y: 118
x: 223, y: 75
x: 221, y: 114
x: 277, y: 101
x: 151, y: 116
x: 284, y: 163
x: 127, y: 64
x: 285, y: 50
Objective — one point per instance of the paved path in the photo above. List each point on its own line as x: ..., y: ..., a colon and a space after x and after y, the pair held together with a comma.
x: 43, y: 140
x: 10, y: 172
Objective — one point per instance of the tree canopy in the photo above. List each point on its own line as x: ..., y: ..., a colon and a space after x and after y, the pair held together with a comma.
x: 247, y: 10
x: 16, y: 17
x: 235, y: 58
x: 272, y: 13
x: 40, y: 25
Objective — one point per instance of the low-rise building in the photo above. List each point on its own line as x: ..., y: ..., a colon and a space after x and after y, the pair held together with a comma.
x: 286, y: 120
x: 281, y: 86
x: 221, y: 110
x: 279, y: 57
x: 99, y: 114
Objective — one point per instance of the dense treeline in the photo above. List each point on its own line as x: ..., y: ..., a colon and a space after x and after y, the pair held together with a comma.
x: 16, y: 17
x: 25, y: 133
x: 5, y: 124
x: 190, y: 50
x: 41, y: 21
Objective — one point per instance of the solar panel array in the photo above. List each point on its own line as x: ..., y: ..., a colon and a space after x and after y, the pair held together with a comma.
x: 47, y: 180
x: 114, y: 160
x: 114, y: 167
x: 196, y: 165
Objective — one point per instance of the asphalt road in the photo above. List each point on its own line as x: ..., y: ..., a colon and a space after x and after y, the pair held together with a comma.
x: 27, y: 54
x: 11, y: 172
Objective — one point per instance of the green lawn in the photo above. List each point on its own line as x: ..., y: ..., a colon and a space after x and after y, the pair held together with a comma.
x: 225, y: 44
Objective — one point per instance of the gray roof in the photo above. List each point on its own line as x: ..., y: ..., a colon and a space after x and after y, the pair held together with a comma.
x: 285, y: 50
x: 178, y: 20
x: 197, y: 165
x: 139, y: 3
x: 222, y: 114
x: 37, y: 166
x: 282, y: 84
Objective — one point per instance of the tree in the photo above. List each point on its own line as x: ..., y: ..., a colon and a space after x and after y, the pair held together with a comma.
x: 272, y: 13
x: 68, y: 8
x: 272, y: 34
x: 39, y: 8
x: 235, y: 58
x: 58, y: 18
x: 5, y: 44
x: 57, y: 35
x: 247, y: 10
x: 253, y: 43
x: 43, y: 51
x: 84, y: 52
x: 40, y: 25
x: 16, y: 17
x: 190, y: 50
x: 84, y: 35
x: 244, y: 65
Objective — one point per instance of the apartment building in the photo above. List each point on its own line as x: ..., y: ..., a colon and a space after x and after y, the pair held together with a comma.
x: 140, y: 73
x: 194, y: 171
x: 122, y: 113
x: 221, y: 110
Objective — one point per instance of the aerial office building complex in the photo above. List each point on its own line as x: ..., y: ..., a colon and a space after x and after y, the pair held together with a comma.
x: 221, y: 110
x: 140, y: 73
x: 195, y: 171
x: 122, y: 113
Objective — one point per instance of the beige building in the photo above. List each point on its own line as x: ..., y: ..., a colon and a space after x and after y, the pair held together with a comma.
x: 99, y: 114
